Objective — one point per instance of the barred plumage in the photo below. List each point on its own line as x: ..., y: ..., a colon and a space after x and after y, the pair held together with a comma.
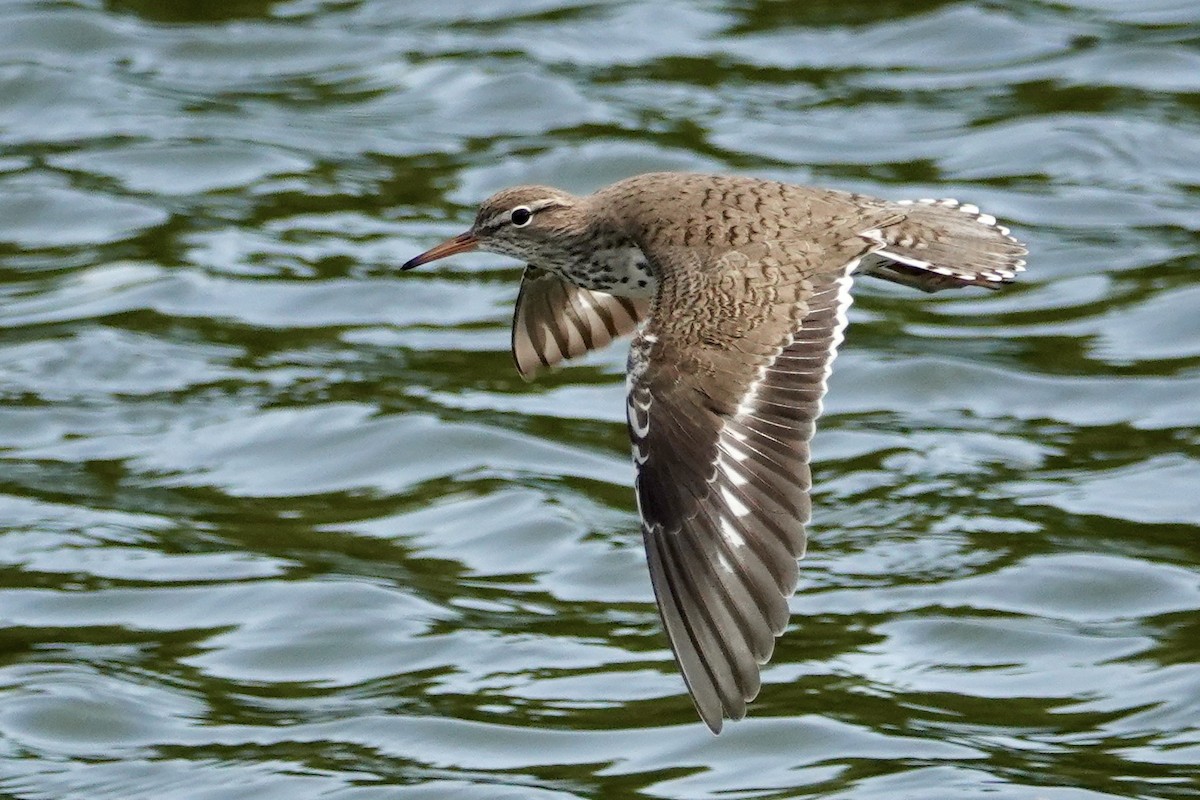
x: 738, y: 290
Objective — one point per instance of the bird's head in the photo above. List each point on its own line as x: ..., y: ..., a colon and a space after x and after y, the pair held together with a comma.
x: 531, y: 223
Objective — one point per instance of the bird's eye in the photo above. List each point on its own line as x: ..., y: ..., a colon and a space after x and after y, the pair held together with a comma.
x: 521, y: 216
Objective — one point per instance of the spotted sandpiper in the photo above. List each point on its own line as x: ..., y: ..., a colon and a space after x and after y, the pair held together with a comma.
x: 738, y: 290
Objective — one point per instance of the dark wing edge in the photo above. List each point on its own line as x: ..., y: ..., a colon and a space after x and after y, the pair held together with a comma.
x: 555, y: 320
x: 723, y: 513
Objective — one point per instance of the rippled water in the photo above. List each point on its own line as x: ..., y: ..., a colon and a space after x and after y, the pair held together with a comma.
x: 276, y: 521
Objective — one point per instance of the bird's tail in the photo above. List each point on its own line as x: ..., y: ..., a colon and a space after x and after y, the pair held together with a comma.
x: 943, y: 244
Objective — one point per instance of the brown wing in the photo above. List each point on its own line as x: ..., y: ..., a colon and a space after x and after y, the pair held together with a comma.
x: 556, y: 320
x: 721, y: 408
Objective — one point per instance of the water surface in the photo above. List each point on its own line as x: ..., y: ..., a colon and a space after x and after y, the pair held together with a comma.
x: 277, y: 521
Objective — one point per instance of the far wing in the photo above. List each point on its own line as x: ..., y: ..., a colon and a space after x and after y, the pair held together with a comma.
x: 556, y: 320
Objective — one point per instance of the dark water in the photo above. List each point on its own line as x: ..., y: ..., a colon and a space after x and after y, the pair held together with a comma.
x: 277, y: 522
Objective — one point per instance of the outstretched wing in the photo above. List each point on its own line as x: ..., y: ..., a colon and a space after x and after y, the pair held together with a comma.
x: 555, y: 320
x: 721, y: 409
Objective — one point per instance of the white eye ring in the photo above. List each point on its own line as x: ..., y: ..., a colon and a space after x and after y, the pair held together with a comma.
x: 520, y: 216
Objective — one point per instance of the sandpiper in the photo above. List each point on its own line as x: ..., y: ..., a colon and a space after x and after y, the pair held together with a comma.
x: 737, y: 289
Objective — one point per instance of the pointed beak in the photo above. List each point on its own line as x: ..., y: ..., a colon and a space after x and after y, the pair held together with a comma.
x: 463, y: 243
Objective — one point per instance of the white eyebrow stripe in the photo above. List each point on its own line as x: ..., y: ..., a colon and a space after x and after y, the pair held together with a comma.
x: 540, y: 205
x: 500, y: 218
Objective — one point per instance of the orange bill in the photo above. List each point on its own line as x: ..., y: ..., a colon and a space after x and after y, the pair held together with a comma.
x: 463, y: 243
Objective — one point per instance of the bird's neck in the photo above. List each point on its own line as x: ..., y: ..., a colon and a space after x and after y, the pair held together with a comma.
x: 604, y: 259
x: 621, y: 270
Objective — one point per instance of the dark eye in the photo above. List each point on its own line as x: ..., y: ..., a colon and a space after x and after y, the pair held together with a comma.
x: 520, y: 216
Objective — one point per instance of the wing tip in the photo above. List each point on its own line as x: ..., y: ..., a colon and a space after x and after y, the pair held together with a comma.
x: 528, y: 372
x: 714, y: 724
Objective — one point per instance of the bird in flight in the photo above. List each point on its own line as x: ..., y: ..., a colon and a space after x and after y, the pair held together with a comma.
x: 736, y: 290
